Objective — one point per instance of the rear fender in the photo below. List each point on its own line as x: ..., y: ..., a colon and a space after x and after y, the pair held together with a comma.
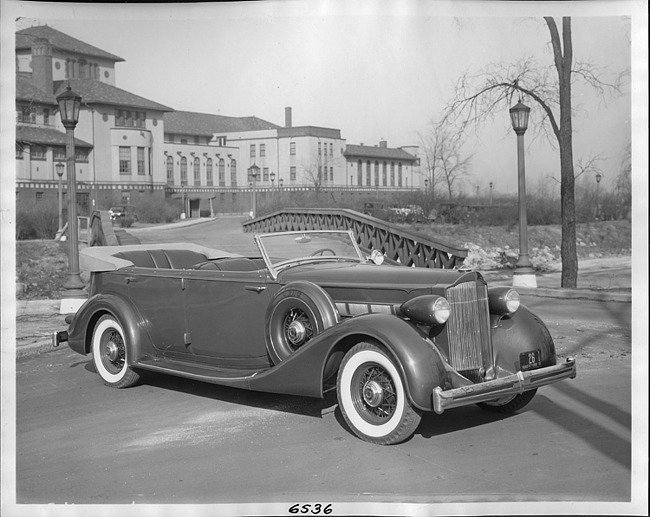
x: 81, y: 329
x: 417, y: 360
x: 519, y: 333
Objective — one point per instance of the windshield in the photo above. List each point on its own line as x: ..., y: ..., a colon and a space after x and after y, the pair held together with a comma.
x: 289, y: 248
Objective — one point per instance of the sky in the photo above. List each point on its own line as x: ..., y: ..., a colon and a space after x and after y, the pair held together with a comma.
x: 374, y: 71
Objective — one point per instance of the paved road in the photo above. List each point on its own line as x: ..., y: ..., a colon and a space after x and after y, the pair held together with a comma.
x: 177, y: 441
x: 223, y: 233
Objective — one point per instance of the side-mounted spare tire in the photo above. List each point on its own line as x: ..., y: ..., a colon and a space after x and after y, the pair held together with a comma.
x: 298, y: 312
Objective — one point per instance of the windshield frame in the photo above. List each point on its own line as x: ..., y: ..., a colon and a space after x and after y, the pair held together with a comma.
x: 276, y: 268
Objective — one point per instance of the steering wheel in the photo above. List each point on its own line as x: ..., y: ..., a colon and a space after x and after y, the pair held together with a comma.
x: 322, y: 251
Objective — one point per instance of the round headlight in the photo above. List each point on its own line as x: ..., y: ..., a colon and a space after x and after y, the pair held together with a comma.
x: 503, y: 300
x: 441, y: 310
x: 428, y: 309
x: 512, y: 301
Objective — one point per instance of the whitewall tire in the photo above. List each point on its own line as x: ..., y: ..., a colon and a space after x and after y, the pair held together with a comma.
x: 372, y: 397
x: 111, y: 354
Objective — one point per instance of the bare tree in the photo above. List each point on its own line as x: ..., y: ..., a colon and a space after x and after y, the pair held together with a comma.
x: 444, y: 161
x: 479, y: 97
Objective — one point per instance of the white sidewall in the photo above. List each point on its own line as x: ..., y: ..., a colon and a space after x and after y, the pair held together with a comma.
x: 374, y: 431
x: 97, y: 356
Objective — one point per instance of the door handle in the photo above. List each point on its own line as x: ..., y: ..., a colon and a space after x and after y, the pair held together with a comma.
x: 255, y: 288
x: 131, y: 279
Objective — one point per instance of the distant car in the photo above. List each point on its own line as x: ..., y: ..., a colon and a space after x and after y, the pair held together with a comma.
x: 378, y: 210
x: 310, y: 314
x: 121, y: 211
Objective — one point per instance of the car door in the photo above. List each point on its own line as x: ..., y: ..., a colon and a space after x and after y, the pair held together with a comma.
x: 158, y: 296
x: 225, y: 313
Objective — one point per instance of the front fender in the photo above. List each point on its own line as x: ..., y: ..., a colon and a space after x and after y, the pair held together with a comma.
x: 420, y: 364
x: 81, y: 328
x: 521, y: 332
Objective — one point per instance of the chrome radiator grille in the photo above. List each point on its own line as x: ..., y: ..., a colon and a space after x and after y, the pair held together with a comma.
x: 470, y: 343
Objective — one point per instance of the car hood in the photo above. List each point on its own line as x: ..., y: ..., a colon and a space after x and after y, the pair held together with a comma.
x: 370, y: 276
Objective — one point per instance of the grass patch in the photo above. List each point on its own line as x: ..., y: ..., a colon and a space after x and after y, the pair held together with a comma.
x: 42, y: 268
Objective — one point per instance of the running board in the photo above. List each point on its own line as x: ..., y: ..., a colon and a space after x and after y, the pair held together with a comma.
x: 203, y: 373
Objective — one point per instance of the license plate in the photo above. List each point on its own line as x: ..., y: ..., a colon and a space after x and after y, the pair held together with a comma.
x: 530, y: 360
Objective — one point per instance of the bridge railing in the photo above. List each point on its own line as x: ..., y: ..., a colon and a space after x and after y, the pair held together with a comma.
x: 402, y: 246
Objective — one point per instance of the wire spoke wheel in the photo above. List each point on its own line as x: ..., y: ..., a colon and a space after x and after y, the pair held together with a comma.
x: 298, y: 328
x: 375, y: 398
x: 112, y: 351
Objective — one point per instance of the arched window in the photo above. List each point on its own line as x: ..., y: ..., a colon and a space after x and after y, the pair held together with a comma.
x: 222, y: 172
x: 392, y: 174
x: 376, y: 174
x: 399, y: 174
x: 183, y: 171
x: 233, y: 173
x: 197, y: 171
x: 368, y: 174
x: 384, y: 175
x: 208, y: 172
x: 359, y: 174
x: 170, y: 170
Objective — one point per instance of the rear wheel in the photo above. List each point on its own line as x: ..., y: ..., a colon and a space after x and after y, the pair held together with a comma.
x: 372, y: 397
x: 510, y: 404
x: 111, y: 353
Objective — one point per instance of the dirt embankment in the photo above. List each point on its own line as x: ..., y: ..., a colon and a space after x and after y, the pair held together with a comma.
x: 495, y: 247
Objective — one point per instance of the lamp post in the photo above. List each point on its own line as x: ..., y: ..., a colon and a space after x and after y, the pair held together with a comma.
x: 253, y: 171
x: 599, y: 176
x: 59, y: 173
x: 491, y: 185
x: 524, y: 275
x: 74, y: 295
x: 272, y: 185
x: 426, y: 185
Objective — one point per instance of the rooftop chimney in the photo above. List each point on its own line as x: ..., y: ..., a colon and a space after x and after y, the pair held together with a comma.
x: 42, y: 65
x: 287, y: 116
x: 383, y: 143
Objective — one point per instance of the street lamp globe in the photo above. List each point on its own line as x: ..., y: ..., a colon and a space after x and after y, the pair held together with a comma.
x: 519, y: 116
x: 59, y: 169
x: 69, y: 106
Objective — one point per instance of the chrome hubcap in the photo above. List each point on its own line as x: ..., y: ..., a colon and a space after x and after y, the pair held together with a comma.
x: 112, y: 351
x: 296, y: 332
x: 373, y: 393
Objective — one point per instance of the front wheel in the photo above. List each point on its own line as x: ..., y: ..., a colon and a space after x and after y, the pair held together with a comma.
x: 110, y: 354
x: 372, y: 397
x: 509, y: 405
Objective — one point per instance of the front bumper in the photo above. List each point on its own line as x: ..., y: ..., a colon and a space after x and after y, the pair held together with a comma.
x: 503, y: 387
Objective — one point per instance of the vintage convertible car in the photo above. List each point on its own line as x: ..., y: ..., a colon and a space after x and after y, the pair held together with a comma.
x: 311, y: 314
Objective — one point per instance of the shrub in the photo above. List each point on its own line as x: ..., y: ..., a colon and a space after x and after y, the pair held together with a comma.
x: 37, y: 220
x: 156, y: 210
x: 126, y: 222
